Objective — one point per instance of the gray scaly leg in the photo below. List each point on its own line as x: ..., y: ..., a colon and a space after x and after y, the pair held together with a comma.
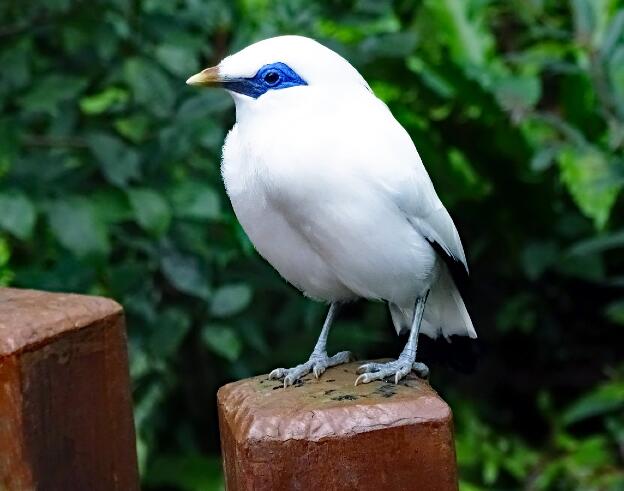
x: 319, y: 361
x: 407, y: 359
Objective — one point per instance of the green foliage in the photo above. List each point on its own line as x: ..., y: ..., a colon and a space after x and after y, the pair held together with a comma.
x: 186, y: 472
x: 6, y: 275
x: 587, y: 176
x: 18, y: 214
x: 110, y: 184
x: 75, y: 224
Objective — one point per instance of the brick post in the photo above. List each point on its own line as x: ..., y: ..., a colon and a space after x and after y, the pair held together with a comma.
x: 328, y: 435
x: 65, y: 408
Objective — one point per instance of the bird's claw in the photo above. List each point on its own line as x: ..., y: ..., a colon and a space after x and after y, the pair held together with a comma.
x: 317, y: 364
x: 277, y: 373
x: 398, y: 368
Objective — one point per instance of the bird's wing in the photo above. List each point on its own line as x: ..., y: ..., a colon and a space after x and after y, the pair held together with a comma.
x: 361, y: 152
x: 406, y: 180
x: 438, y: 228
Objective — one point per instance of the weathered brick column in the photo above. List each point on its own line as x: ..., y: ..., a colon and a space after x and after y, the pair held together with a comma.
x: 328, y: 435
x: 65, y: 408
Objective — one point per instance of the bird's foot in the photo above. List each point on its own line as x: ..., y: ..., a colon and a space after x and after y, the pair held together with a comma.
x: 397, y: 368
x: 317, y: 364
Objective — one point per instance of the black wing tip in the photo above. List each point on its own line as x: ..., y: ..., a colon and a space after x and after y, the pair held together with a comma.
x: 457, y: 268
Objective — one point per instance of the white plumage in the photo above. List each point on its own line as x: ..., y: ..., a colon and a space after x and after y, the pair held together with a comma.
x: 331, y: 190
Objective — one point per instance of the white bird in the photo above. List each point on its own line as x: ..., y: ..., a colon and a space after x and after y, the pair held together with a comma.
x: 331, y: 191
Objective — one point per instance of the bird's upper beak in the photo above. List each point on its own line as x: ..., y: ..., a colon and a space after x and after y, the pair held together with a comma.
x: 207, y: 78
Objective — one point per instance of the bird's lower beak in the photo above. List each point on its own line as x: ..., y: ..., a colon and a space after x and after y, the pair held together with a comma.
x: 206, y: 78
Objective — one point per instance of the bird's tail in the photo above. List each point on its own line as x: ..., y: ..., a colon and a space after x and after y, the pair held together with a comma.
x: 445, y: 312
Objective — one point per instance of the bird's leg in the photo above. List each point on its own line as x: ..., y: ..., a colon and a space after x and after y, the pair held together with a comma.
x: 407, y: 359
x: 319, y: 361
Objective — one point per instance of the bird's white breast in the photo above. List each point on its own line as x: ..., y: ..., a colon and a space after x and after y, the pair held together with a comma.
x: 246, y: 177
x: 311, y: 185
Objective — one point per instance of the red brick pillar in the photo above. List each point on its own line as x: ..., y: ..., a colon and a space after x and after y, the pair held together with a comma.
x: 65, y: 408
x: 328, y: 435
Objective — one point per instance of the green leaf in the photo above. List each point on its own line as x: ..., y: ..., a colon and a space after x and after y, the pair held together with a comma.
x: 6, y: 274
x: 77, y: 227
x: 143, y: 452
x: 517, y: 313
x: 167, y: 336
x: 186, y: 472
x: 606, y: 398
x: 537, y: 257
x: 602, y: 13
x: 431, y: 77
x: 230, y: 300
x: 463, y: 30
x: 518, y: 94
x: 150, y: 86
x: 196, y: 108
x: 616, y: 77
x: 134, y: 127
x: 139, y: 361
x: 222, y: 340
x: 587, y: 175
x: 195, y: 200
x: 5, y: 252
x: 588, y: 268
x: 584, y: 19
x: 615, y: 312
x: 50, y: 91
x: 475, y: 185
x: 148, y: 403
x: 151, y: 210
x: 592, y: 452
x: 17, y: 214
x: 111, y: 205
x: 613, y: 34
x: 179, y: 60
x: 395, y: 45
x: 544, y: 158
x: 599, y: 244
x: 186, y: 273
x: 119, y: 163
x: 98, y: 103
x: 9, y: 145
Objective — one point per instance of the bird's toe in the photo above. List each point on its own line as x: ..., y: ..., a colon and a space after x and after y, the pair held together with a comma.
x: 421, y: 369
x: 368, y: 368
x: 277, y: 373
x: 339, y: 358
x: 317, y: 364
x: 397, y: 370
x: 401, y: 372
x: 319, y: 369
x: 379, y: 374
x: 289, y: 380
x: 363, y: 379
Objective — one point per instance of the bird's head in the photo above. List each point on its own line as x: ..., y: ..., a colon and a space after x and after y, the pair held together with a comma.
x: 280, y: 67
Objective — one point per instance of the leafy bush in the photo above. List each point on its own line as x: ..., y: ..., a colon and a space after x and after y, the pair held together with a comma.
x: 110, y: 184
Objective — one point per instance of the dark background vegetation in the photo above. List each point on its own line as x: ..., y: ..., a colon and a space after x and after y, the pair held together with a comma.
x: 109, y: 185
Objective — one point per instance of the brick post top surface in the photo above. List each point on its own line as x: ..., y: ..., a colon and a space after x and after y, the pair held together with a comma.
x: 29, y: 317
x: 327, y: 434
x: 328, y: 407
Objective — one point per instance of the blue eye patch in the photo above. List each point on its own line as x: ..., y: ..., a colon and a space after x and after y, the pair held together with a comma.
x: 273, y: 76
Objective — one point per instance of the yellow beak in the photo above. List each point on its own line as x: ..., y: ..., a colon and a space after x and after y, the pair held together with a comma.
x: 206, y: 78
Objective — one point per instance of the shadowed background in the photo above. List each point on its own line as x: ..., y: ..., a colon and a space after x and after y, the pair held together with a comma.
x: 110, y: 185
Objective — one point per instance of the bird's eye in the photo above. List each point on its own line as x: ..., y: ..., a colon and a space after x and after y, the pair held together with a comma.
x: 271, y: 77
